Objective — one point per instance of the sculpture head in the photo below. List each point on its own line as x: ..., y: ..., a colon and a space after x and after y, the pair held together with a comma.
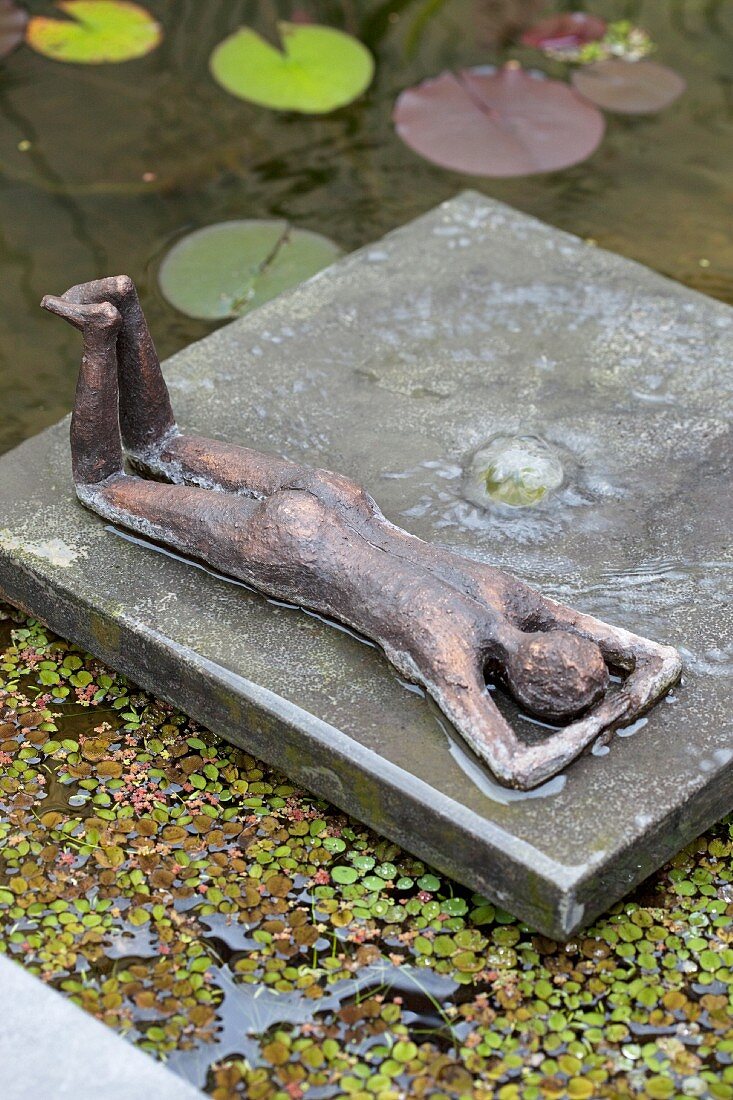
x: 556, y: 675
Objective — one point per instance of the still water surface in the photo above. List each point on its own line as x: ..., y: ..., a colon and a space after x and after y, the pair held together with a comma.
x: 103, y: 167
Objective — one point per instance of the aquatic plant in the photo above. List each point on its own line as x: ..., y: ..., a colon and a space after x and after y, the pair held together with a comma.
x: 612, y: 72
x: 639, y: 88
x: 510, y: 122
x: 317, y: 70
x: 228, y: 269
x: 481, y: 121
x: 564, y: 36
x: 581, y: 38
x: 95, y: 32
x: 194, y: 900
x: 498, y: 122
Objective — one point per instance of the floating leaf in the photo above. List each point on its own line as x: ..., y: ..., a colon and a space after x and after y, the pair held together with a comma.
x: 13, y: 21
x: 344, y: 875
x: 429, y: 882
x: 503, y: 122
x: 97, y: 31
x: 404, y: 1050
x: 228, y: 269
x: 629, y: 88
x: 559, y: 35
x: 317, y: 70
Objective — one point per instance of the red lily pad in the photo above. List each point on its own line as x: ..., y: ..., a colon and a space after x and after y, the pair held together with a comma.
x: 13, y: 21
x: 558, y: 33
x: 505, y: 122
x: 629, y: 87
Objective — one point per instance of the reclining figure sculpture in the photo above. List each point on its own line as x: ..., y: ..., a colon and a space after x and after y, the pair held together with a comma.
x: 316, y: 539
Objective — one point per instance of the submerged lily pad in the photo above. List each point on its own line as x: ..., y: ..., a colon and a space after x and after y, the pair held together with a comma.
x: 317, y: 70
x: 629, y: 87
x: 228, y: 269
x: 13, y: 21
x: 504, y: 122
x: 97, y: 31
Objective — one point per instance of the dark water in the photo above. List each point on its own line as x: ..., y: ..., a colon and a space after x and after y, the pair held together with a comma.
x: 102, y: 167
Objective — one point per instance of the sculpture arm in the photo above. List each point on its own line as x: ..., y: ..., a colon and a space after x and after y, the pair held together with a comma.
x: 652, y: 668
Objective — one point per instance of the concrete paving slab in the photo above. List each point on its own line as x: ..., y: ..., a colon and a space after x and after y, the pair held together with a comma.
x: 395, y: 366
x: 51, y: 1050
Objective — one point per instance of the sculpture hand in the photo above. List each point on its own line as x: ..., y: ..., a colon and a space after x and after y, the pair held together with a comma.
x: 446, y: 644
x: 652, y: 669
x: 466, y: 701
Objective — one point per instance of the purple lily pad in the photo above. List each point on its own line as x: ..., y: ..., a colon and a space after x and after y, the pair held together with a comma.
x: 565, y: 32
x: 629, y: 87
x: 505, y: 122
x: 13, y: 21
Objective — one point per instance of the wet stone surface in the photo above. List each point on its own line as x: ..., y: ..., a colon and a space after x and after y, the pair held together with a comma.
x: 396, y: 367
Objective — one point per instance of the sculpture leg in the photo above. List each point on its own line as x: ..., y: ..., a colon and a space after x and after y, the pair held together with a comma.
x: 147, y: 422
x: 146, y: 416
x: 192, y: 520
x: 96, y: 450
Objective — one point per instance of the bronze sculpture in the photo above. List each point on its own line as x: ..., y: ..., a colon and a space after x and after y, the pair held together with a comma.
x: 316, y: 539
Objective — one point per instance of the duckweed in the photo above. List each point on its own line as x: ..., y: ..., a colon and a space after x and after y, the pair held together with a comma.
x: 270, y: 947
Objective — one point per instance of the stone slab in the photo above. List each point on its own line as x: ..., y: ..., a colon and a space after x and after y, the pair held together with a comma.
x: 52, y: 1050
x: 393, y: 367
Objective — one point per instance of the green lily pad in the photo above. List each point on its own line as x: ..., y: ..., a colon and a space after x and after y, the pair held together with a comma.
x: 96, y: 32
x: 228, y: 269
x: 317, y: 70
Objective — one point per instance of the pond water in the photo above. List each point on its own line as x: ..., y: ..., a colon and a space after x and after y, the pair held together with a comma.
x: 103, y: 167
x: 348, y: 961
